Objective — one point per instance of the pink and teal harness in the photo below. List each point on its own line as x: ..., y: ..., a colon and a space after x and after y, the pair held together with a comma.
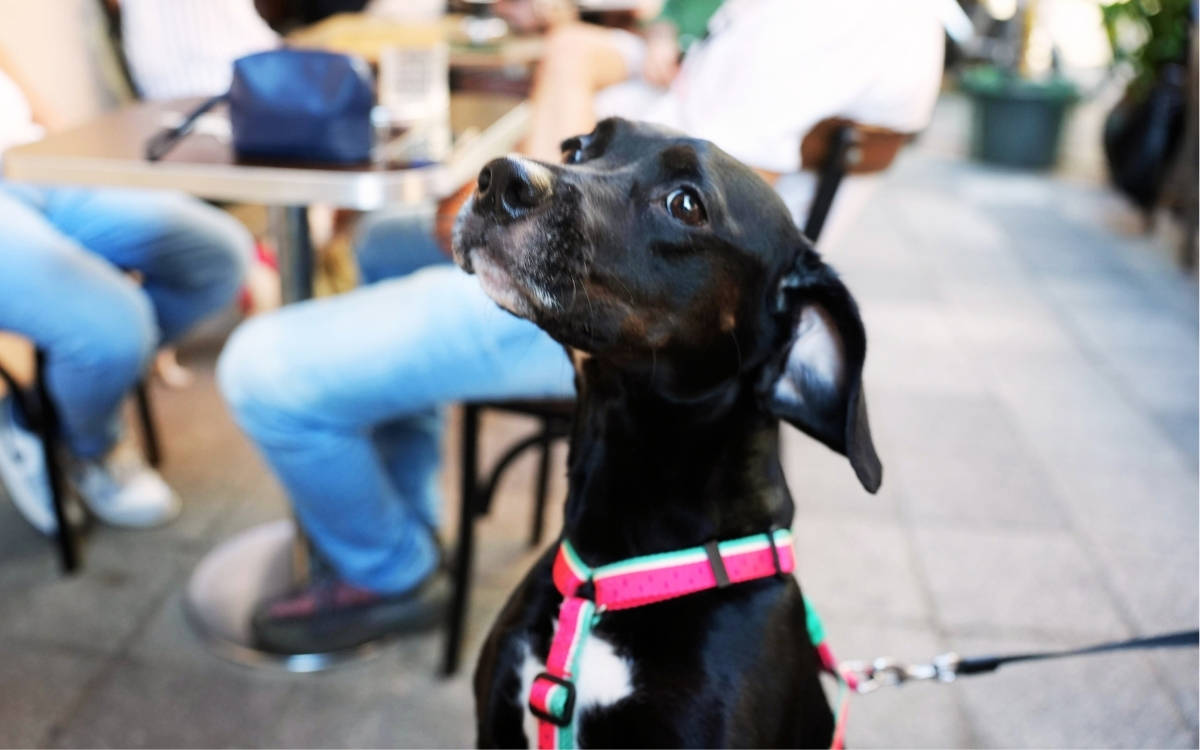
x: 638, y: 582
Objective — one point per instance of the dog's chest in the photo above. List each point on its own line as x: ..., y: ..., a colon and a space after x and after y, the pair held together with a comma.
x: 604, y: 678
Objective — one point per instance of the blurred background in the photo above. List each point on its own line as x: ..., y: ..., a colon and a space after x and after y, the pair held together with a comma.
x: 1025, y: 262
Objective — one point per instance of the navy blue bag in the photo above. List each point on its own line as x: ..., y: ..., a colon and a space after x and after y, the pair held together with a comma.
x: 292, y: 105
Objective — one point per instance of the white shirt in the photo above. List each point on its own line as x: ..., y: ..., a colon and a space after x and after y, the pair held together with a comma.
x: 772, y: 69
x: 16, y: 116
x: 179, y: 48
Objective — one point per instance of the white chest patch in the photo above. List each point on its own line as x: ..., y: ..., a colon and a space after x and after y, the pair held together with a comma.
x: 604, y: 678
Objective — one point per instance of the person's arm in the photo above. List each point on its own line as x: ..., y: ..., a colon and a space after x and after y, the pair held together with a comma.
x: 43, y: 113
x: 662, y: 54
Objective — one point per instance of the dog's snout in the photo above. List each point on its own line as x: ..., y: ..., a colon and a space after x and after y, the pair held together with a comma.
x: 509, y: 187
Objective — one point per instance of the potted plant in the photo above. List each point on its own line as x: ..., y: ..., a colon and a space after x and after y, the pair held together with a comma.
x: 1143, y: 132
x: 1017, y: 118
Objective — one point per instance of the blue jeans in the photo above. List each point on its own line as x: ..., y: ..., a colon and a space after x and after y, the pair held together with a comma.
x: 342, y: 395
x: 62, y: 256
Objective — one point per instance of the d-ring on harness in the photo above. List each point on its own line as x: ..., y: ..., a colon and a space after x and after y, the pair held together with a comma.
x: 637, y: 582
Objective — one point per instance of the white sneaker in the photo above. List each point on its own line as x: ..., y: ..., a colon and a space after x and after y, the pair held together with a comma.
x: 121, y: 490
x: 23, y: 470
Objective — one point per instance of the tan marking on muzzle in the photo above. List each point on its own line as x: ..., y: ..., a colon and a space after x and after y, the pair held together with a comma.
x: 539, y: 177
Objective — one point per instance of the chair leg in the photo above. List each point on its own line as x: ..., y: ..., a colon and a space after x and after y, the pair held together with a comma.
x: 150, y: 441
x: 828, y: 182
x: 543, y: 482
x: 47, y: 423
x: 468, y: 509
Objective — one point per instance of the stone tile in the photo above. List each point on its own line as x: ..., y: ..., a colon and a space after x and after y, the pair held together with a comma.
x: 167, y: 640
x: 147, y: 705
x: 1072, y: 413
x: 922, y: 325
x: 1132, y: 331
x: 1032, y: 580
x: 899, y: 369
x: 963, y: 461
x: 1109, y: 700
x: 912, y: 346
x: 1158, y: 587
x: 1153, y: 509
x: 1180, y: 427
x: 122, y: 581
x: 26, y: 557
x: 38, y: 686
x: 1179, y: 673
x: 1161, y: 384
x: 435, y: 713
x: 1008, y: 328
x: 901, y: 283
x: 851, y: 567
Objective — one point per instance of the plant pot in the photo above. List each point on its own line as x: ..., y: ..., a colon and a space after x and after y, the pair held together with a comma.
x: 1016, y: 122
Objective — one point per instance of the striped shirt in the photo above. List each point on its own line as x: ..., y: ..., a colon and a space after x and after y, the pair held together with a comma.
x: 179, y: 48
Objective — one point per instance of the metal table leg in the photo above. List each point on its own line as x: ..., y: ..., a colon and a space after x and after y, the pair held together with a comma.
x: 267, y: 560
x: 289, y: 228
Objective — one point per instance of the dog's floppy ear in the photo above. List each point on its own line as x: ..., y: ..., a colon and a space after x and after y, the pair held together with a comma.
x: 815, y: 380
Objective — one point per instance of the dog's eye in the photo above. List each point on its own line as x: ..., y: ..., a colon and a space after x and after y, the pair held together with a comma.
x: 685, y: 205
x: 572, y: 155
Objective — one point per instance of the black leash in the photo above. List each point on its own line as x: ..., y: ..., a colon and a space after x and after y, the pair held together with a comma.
x: 865, y: 677
x: 984, y: 664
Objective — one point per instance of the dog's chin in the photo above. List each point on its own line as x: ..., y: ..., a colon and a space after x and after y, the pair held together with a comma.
x: 498, y: 284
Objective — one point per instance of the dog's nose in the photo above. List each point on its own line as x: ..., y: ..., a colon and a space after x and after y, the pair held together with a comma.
x: 509, y: 188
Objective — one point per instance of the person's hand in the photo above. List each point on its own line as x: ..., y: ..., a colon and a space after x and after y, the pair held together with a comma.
x: 662, y: 58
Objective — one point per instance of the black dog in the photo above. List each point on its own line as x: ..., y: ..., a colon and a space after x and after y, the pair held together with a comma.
x: 697, y: 315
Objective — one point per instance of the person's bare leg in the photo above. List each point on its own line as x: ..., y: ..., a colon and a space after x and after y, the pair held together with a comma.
x: 580, y: 60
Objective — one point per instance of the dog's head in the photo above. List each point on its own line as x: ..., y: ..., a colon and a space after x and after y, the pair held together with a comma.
x: 666, y: 258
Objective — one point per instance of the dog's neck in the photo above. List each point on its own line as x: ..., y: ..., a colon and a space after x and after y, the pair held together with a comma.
x: 649, y: 474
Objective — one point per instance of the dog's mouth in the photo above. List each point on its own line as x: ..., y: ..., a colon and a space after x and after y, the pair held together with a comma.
x: 498, y: 283
x: 513, y: 264
x: 499, y: 256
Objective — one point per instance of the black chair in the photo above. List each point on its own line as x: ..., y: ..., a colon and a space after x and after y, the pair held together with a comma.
x: 39, y: 412
x: 833, y: 148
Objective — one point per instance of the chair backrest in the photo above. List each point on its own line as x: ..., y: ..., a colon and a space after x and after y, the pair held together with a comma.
x: 838, y: 146
x: 872, y: 148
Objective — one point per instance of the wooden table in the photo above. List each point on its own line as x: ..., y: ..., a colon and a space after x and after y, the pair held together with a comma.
x: 107, y: 152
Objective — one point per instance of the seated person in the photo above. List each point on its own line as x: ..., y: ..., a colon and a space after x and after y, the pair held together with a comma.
x: 64, y: 254
x: 343, y: 395
x: 186, y: 48
x: 583, y: 59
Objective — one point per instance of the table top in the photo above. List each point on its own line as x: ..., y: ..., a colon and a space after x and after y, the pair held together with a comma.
x: 108, y: 152
x: 367, y: 36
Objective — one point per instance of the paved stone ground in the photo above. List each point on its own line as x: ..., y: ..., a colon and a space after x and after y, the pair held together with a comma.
x: 1033, y: 386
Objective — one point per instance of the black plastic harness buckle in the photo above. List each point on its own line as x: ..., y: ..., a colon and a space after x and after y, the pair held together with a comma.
x: 568, y: 708
x: 713, y: 550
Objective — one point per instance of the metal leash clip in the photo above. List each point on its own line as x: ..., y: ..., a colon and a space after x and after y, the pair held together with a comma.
x: 867, y: 677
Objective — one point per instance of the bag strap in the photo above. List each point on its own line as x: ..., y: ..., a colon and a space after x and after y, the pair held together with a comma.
x: 161, y: 143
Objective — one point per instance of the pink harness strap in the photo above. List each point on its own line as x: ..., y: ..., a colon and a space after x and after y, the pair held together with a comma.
x: 638, y: 582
